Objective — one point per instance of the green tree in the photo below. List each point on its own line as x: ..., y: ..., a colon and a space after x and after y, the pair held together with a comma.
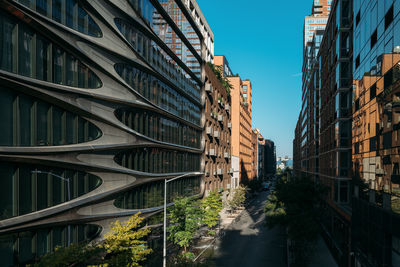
x: 123, y: 246
x: 185, y: 218
x: 295, y: 205
x: 238, y: 198
x: 211, y: 207
x: 223, y: 80
x: 79, y: 254
x: 124, y: 242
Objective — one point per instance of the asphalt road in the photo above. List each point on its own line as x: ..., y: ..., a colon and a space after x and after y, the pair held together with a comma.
x: 248, y: 242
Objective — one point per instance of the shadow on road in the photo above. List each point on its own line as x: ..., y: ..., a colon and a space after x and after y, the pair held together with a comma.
x: 248, y: 242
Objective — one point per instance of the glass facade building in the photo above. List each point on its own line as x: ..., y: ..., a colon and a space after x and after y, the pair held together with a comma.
x: 375, y: 140
x: 97, y: 108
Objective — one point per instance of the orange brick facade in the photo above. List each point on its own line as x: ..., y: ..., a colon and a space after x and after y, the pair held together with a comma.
x: 241, y: 134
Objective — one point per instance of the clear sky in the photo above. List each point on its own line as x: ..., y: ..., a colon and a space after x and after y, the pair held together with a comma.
x: 262, y: 41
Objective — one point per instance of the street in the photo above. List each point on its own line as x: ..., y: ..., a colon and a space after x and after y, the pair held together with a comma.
x: 248, y: 242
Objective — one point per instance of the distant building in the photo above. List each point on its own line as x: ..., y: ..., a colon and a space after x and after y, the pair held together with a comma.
x: 217, y: 135
x: 260, y: 159
x: 241, y: 134
x: 284, y: 162
x: 270, y: 158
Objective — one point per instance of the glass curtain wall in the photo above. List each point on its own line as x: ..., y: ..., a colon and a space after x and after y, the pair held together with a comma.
x: 27, y: 121
x: 22, y: 191
x: 151, y: 195
x: 67, y: 12
x: 158, y: 58
x: 23, y: 248
x: 159, y: 93
x: 30, y: 54
x: 166, y: 33
x: 156, y: 127
x: 154, y: 160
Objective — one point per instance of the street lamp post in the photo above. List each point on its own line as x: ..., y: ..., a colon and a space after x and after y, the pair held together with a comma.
x: 68, y: 195
x: 166, y: 181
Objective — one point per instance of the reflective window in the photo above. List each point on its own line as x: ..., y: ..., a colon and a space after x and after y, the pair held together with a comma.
x: 27, y: 121
x: 158, y: 58
x: 24, y: 247
x: 23, y: 191
x: 162, y: 129
x: 159, y: 93
x: 24, y: 52
x: 154, y: 160
x: 151, y: 195
x: 166, y: 33
x: 67, y: 12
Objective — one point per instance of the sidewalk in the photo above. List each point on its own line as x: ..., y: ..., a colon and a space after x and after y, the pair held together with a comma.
x: 227, y: 218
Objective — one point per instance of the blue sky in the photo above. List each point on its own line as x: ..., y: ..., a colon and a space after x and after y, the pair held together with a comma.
x: 262, y: 41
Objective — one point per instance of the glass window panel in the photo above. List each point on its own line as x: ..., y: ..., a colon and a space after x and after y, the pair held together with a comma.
x: 6, y: 117
x: 71, y: 70
x: 25, y: 53
x: 42, y: 7
x: 7, y: 42
x: 58, y: 65
x: 58, y: 127
x: 25, y: 246
x: 25, y: 120
x: 25, y: 190
x: 57, y: 5
x: 71, y: 129
x: 7, y: 250
x: 42, y: 123
x: 42, y: 242
x: 42, y: 187
x: 6, y: 191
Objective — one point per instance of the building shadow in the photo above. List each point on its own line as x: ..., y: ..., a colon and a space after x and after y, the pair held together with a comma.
x: 248, y: 242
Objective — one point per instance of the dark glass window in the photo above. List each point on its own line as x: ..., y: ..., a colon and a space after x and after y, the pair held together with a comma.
x: 23, y: 191
x: 135, y: 159
x: 158, y: 58
x: 372, y: 92
x: 27, y: 121
x: 389, y: 17
x: 151, y: 195
x: 22, y: 248
x: 155, y: 124
x: 372, y: 144
x: 356, y: 148
x: 67, y: 12
x: 171, y: 100
x: 374, y: 38
x: 24, y: 52
x: 387, y: 140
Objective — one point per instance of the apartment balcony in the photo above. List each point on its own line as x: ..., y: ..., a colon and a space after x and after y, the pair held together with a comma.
x: 209, y: 130
x: 209, y: 88
x: 230, y: 171
x: 221, y: 102
x: 245, y: 104
x: 226, y: 155
x: 220, y: 172
x: 227, y: 107
x: 212, y: 152
x: 207, y: 173
x: 229, y: 125
x: 220, y: 118
x: 217, y: 134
